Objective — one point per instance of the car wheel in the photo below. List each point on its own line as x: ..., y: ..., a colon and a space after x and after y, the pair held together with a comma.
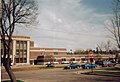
x: 83, y: 68
x: 78, y: 67
x: 87, y: 68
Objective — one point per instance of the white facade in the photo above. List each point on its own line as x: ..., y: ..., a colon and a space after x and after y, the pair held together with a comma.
x: 20, y: 50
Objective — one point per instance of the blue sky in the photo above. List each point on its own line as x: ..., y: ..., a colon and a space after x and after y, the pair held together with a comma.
x: 70, y: 24
x: 102, y: 6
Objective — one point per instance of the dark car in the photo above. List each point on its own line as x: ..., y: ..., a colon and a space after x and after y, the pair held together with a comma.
x: 50, y: 65
x: 72, y: 66
x: 88, y: 66
x: 99, y: 62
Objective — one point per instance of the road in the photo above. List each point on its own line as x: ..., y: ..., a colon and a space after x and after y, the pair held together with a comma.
x: 59, y: 75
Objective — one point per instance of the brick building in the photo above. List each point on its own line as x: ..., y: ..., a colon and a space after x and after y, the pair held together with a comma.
x: 24, y: 52
x: 44, y: 53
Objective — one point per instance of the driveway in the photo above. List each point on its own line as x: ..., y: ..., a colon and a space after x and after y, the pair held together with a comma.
x: 59, y: 75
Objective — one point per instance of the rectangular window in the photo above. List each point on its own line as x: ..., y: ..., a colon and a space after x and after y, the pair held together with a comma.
x: 25, y: 60
x: 17, y: 60
x: 25, y: 45
x: 55, y: 53
x: 25, y: 52
x: 17, y: 56
x: 17, y: 45
x: 21, y: 51
x: 21, y: 45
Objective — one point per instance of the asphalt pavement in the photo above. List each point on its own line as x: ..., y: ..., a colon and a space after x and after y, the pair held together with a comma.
x: 59, y: 75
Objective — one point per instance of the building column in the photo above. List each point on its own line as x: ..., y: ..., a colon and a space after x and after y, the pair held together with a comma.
x: 14, y: 52
x: 28, y: 52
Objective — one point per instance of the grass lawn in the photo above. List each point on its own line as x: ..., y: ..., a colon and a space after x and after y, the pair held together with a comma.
x: 35, y: 68
x: 112, y: 68
x: 111, y: 71
x: 105, y: 72
x: 10, y: 81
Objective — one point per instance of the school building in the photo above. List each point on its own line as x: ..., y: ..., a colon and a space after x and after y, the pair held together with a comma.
x: 24, y: 52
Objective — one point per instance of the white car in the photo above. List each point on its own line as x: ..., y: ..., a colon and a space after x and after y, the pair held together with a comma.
x: 74, y: 61
x: 55, y: 62
x: 65, y: 62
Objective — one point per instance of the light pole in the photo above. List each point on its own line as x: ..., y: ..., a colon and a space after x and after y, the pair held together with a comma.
x: 71, y: 51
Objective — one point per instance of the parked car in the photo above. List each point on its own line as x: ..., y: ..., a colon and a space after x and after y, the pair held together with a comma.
x: 65, y: 62
x: 88, y: 66
x: 50, y: 65
x: 108, y: 64
x: 55, y: 62
x: 99, y: 62
x: 72, y: 66
x: 73, y: 61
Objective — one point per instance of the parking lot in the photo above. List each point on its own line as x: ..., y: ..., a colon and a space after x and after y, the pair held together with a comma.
x: 60, y: 75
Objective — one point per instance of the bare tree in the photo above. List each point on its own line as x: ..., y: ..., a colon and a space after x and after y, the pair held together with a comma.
x: 100, y: 48
x: 114, y: 28
x: 107, y: 46
x: 78, y: 51
x: 104, y: 47
x: 13, y: 12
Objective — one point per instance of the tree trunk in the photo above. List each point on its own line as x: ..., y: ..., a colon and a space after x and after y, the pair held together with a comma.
x: 9, y: 70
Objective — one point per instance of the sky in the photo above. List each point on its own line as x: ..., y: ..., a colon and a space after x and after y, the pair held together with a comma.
x: 71, y: 24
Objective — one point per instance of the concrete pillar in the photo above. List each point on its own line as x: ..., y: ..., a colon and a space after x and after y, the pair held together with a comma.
x: 28, y: 52
x: 14, y: 52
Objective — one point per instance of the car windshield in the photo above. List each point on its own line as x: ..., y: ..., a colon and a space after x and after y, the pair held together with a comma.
x: 73, y: 64
x: 87, y: 63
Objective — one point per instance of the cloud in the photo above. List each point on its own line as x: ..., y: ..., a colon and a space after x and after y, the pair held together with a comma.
x: 68, y: 23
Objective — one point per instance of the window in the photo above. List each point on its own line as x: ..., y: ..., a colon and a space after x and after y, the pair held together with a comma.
x: 83, y: 59
x: 25, y: 45
x: 17, y: 53
x: 17, y: 45
x: 21, y: 54
x: 25, y: 52
x: 72, y: 59
x: 21, y: 45
x: 55, y: 53
x: 21, y: 51
x: 63, y: 59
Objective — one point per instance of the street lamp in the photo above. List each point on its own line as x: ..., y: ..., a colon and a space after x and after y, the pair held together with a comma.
x: 71, y: 51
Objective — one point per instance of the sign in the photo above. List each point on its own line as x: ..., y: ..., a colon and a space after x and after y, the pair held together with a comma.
x: 90, y: 54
